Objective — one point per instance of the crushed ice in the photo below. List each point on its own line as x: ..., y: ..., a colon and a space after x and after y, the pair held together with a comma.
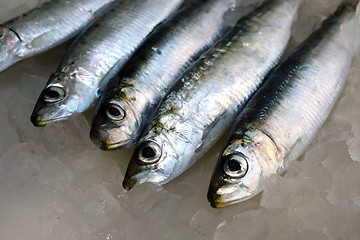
x: 55, y: 184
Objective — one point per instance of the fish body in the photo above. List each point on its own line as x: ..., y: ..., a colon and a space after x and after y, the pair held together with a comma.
x: 211, y: 93
x: 46, y: 26
x: 130, y: 101
x: 284, y: 115
x: 96, y: 56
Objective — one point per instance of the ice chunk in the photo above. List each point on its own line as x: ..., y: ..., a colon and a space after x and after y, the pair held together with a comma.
x: 20, y: 110
x: 337, y: 154
x: 354, y: 143
x: 311, y: 14
x: 147, y: 203
x: 67, y: 136
x: 4, y: 8
x: 53, y: 172
x: 241, y: 226
x: 21, y: 163
x: 199, y: 219
x: 146, y: 198
x: 310, y: 173
x: 98, y: 207
x: 292, y: 192
x: 16, y: 7
x: 120, y: 230
x: 335, y: 130
x: 106, y: 175
x: 55, y: 184
x: 57, y: 221
x: 311, y: 213
x: 9, y: 136
x: 344, y: 225
x: 349, y: 112
x: 30, y: 86
x: 345, y: 190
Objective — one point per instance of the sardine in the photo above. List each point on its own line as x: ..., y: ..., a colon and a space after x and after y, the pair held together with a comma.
x: 211, y: 93
x: 46, y: 26
x: 97, y: 56
x: 284, y: 115
x: 129, y: 104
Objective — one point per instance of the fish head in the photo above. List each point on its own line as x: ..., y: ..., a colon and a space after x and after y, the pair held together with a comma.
x: 157, y: 159
x: 110, y: 128
x: 242, y: 170
x: 118, y: 119
x: 68, y: 92
x: 10, y: 45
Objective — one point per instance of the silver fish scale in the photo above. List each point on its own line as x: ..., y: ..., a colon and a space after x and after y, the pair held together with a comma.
x: 194, y: 33
x: 212, y: 92
x: 284, y: 115
x: 97, y: 55
x: 108, y: 46
x: 156, y: 66
x: 295, y: 117
x: 54, y: 22
x: 309, y: 91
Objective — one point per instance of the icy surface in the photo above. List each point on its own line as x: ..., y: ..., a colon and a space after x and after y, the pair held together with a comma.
x: 55, y: 184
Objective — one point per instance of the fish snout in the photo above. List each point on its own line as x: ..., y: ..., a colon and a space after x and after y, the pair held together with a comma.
x: 213, y: 197
x: 37, y: 120
x: 129, y: 183
x: 100, y: 138
x: 220, y: 196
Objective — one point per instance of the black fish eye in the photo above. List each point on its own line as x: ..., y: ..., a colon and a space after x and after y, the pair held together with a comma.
x: 149, y: 152
x: 54, y: 94
x: 235, y: 165
x: 115, y: 112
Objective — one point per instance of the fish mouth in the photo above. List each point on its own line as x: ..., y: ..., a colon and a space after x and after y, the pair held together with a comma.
x: 129, y: 183
x: 104, y: 143
x: 130, y: 179
x: 219, y: 204
x: 118, y: 145
x: 217, y: 201
x: 135, y: 175
x: 38, y: 121
x: 217, y: 198
x: 223, y: 196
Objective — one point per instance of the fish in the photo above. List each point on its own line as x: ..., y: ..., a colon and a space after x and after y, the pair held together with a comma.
x: 45, y: 27
x: 131, y: 99
x: 284, y: 115
x: 96, y: 56
x: 211, y: 94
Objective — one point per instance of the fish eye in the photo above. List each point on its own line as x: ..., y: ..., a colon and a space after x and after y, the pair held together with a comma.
x: 149, y: 152
x: 54, y: 94
x: 235, y: 165
x: 115, y: 112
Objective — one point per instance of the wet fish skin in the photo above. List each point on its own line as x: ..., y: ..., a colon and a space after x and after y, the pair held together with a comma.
x: 96, y: 56
x: 211, y: 94
x: 46, y: 26
x: 284, y: 115
x: 155, y: 67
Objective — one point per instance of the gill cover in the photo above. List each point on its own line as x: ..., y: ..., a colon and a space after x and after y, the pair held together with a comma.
x: 10, y: 45
x: 242, y: 169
